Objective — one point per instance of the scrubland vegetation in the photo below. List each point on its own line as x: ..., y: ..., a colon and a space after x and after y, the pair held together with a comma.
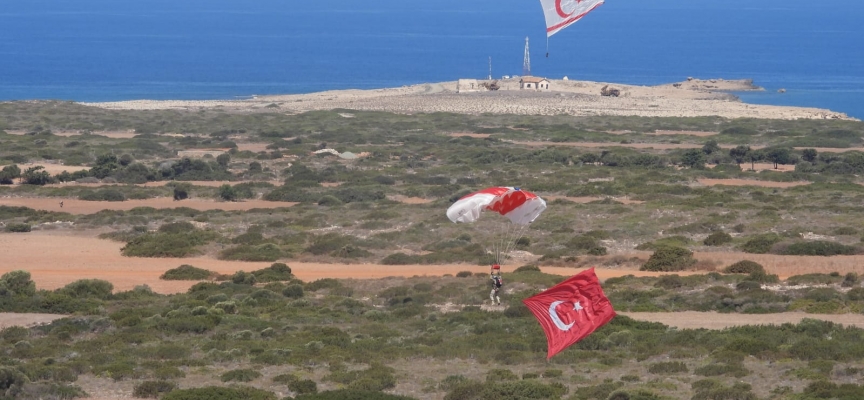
x: 264, y: 334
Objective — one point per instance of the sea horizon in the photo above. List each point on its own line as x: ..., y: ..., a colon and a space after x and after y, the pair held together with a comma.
x: 99, y: 50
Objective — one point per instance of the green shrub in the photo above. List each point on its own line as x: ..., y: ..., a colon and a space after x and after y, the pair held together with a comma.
x: 17, y: 284
x: 294, y: 291
x: 18, y: 227
x: 88, y: 288
x: 168, y: 242
x: 669, y: 259
x: 401, y: 259
x: 276, y: 272
x: 717, y: 239
x: 348, y: 394
x: 527, y: 268
x: 501, y: 375
x: 304, y: 386
x: 329, y: 201
x: 818, y: 248
x: 760, y: 244
x: 670, y: 367
x: 744, y: 267
x: 240, y: 375
x: 221, y: 393
x: 153, y: 389
x: 103, y: 195
x: 669, y: 282
x: 262, y: 252
x: 325, y: 283
x: 464, y: 274
x: 187, y: 272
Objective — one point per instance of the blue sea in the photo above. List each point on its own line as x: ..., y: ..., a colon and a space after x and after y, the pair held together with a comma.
x: 104, y: 50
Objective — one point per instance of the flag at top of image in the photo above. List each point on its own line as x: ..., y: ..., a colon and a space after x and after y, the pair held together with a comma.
x: 571, y: 310
x: 562, y: 13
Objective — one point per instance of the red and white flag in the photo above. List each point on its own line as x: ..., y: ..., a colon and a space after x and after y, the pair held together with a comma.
x: 562, y: 13
x: 571, y: 310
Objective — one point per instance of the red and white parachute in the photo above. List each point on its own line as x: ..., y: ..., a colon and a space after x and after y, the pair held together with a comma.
x: 518, y: 206
x: 563, y: 13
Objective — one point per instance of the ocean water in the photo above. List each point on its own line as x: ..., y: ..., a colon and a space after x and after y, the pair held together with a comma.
x: 105, y: 50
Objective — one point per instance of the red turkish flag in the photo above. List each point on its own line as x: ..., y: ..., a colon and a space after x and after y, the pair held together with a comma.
x: 571, y: 310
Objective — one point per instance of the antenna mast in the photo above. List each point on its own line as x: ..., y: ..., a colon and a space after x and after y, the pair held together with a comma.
x: 526, y: 64
x: 490, y: 68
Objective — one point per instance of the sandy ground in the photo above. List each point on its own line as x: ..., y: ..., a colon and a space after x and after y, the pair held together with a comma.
x: 713, y: 320
x: 58, y: 257
x: 26, y: 319
x: 75, y: 206
x: 110, y: 134
x: 689, y: 99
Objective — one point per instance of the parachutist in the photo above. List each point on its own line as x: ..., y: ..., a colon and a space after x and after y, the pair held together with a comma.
x: 497, y: 282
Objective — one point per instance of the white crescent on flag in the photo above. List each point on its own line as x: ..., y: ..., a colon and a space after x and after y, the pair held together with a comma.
x: 562, y: 13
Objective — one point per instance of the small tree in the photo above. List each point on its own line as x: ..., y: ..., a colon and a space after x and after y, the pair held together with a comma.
x: 181, y: 192
x: 778, y: 155
x: 693, y: 159
x: 36, y: 176
x: 223, y: 160
x: 809, y: 155
x: 669, y: 258
x: 739, y: 154
x: 9, y: 174
x: 227, y: 193
x: 255, y: 166
x: 710, y: 147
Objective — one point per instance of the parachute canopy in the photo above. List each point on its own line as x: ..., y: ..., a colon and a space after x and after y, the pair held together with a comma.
x: 562, y: 13
x: 499, y: 235
x: 519, y: 206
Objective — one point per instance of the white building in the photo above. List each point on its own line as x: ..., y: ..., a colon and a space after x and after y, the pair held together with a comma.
x: 533, y: 82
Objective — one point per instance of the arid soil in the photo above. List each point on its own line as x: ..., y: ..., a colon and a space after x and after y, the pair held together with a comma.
x: 567, y: 97
x: 26, y: 319
x: 713, y: 320
x: 75, y: 206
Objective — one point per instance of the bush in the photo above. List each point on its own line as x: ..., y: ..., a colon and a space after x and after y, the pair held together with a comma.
x: 262, y: 252
x: 18, y: 227
x: 304, y: 386
x: 717, y: 239
x: 464, y: 274
x: 88, y: 288
x: 103, y: 195
x: 527, y: 268
x: 671, y: 367
x: 293, y: 291
x: 276, y: 272
x: 818, y: 248
x: 744, y: 267
x: 669, y: 259
x: 221, y: 393
x: 760, y: 244
x: 347, y: 394
x: 17, y: 284
x: 187, y: 272
x: 401, y: 259
x: 240, y: 375
x: 153, y: 389
x: 172, y: 240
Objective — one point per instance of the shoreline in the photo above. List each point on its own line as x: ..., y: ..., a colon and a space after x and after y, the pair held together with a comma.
x: 689, y: 98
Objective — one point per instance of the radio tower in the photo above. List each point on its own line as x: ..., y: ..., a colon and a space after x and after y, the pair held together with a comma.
x: 526, y: 65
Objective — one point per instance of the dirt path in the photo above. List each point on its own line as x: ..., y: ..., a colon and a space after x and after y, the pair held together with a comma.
x: 713, y: 320
x: 26, y: 319
x: 75, y: 206
x: 57, y: 258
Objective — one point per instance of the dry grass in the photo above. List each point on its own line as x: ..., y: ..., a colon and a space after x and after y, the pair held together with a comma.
x: 75, y: 206
x: 749, y: 182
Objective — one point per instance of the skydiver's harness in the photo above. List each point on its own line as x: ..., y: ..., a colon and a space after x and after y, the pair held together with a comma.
x: 497, y: 282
